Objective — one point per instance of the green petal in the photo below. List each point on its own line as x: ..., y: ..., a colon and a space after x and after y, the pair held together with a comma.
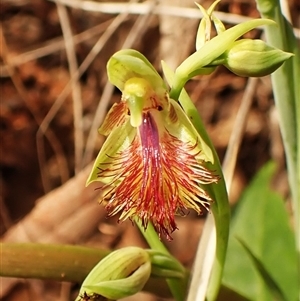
x: 119, y: 139
x: 188, y: 129
x: 185, y: 131
x: 116, y: 117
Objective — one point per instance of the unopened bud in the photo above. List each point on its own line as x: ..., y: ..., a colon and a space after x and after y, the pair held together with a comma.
x: 253, y: 58
x: 120, y: 274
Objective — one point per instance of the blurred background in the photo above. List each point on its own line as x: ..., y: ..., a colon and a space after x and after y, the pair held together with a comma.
x: 54, y: 95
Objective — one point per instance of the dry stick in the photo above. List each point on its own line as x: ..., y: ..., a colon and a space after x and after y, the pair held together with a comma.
x: 139, y: 27
x: 137, y: 31
x: 203, y: 262
x: 207, y: 244
x: 50, y: 136
x: 52, y: 46
x: 65, y: 291
x: 142, y: 8
x: 97, y: 120
x: 286, y: 10
x: 169, y: 50
x: 236, y: 136
x: 76, y: 90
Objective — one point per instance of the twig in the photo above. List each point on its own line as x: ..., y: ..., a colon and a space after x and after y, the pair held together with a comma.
x: 76, y: 90
x: 236, y: 136
x: 50, y: 136
x: 85, y: 64
x: 52, y: 46
x: 142, y: 8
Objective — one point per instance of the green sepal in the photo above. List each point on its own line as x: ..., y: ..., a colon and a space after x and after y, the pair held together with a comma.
x: 119, y: 139
x: 129, y: 63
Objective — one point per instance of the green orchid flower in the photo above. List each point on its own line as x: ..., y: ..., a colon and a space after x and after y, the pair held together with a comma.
x: 153, y: 164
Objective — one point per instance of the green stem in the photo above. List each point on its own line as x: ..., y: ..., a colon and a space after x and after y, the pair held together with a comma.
x: 59, y: 263
x: 152, y: 238
x: 285, y: 82
x: 43, y: 261
x: 220, y: 208
x: 178, y: 287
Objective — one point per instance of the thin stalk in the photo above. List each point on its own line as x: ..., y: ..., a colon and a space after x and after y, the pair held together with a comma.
x: 220, y: 208
x: 178, y: 287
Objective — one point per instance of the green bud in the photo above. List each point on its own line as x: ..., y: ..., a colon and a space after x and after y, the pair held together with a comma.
x: 253, y: 58
x: 120, y: 274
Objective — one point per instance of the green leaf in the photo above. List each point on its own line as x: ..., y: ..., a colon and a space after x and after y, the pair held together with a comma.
x: 262, y: 222
x: 272, y: 285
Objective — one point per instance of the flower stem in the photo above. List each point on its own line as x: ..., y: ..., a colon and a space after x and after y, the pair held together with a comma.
x: 220, y: 208
x: 178, y: 287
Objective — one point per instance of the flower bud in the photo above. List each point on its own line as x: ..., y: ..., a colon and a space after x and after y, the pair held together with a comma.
x: 120, y: 274
x: 253, y: 58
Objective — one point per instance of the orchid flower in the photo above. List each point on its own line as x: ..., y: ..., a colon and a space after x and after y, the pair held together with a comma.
x: 154, y: 164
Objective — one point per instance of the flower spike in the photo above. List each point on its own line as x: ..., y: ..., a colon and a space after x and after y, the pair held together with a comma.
x: 153, y: 164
